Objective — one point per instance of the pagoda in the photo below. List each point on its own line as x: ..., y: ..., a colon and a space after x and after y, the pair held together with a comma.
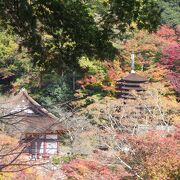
x: 132, y: 81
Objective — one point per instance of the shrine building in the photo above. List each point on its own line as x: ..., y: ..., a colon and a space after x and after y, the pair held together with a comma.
x: 36, y: 128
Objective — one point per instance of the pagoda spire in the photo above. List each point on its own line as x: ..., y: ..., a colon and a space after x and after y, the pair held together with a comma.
x: 132, y: 62
x: 23, y: 89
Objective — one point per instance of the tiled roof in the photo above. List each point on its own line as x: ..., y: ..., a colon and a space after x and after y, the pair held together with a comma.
x: 133, y: 77
x: 28, y: 116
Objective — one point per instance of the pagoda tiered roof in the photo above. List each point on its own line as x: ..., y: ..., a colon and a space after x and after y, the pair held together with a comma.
x: 132, y: 81
x: 134, y: 77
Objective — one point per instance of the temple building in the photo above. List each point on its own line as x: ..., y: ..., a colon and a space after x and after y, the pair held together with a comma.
x: 36, y: 128
x: 132, y: 81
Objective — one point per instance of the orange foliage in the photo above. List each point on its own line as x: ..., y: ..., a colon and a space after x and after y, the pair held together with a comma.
x: 87, y: 169
x: 156, y: 74
x: 106, y: 80
x: 147, y: 46
x: 155, y: 155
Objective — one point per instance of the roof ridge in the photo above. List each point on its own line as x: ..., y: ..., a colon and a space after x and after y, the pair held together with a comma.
x: 23, y: 92
x: 134, y: 76
x: 35, y: 103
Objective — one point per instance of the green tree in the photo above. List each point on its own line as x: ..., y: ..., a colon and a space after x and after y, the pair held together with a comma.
x: 57, y: 33
x: 13, y: 64
x: 124, y: 14
x: 170, y: 12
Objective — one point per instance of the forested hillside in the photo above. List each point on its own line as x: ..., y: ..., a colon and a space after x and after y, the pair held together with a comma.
x: 68, y: 55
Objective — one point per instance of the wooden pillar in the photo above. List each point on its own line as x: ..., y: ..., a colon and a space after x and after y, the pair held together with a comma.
x: 36, y: 149
x: 36, y: 146
x: 57, y: 144
x: 44, y: 149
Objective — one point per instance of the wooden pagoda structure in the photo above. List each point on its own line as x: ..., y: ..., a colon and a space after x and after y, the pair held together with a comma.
x: 132, y: 81
x: 35, y: 127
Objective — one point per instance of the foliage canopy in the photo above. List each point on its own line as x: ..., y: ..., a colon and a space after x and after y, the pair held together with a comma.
x: 57, y: 33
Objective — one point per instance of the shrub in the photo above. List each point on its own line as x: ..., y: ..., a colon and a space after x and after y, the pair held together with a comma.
x: 56, y: 160
x: 87, y: 169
